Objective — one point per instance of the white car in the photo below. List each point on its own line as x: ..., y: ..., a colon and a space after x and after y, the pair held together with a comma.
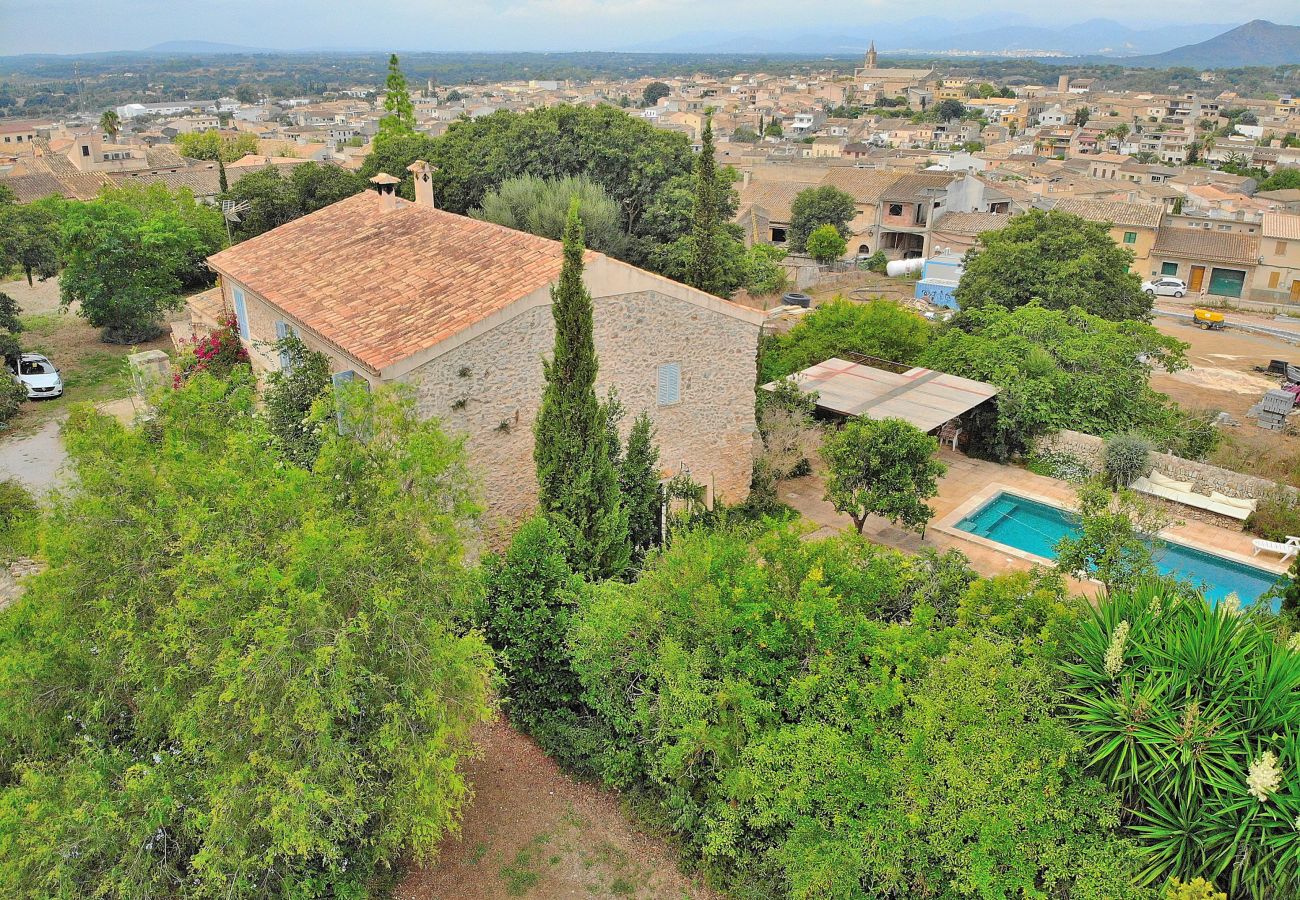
x: 38, y: 375
x: 1165, y: 287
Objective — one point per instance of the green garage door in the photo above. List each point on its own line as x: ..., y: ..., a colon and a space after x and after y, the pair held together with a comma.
x: 1227, y: 282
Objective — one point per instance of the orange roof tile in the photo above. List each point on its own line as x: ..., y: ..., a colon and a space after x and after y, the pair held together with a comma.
x: 384, y: 284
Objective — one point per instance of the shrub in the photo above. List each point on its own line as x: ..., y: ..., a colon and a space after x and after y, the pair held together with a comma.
x: 1196, y: 889
x: 810, y: 727
x: 877, y: 328
x: 825, y: 244
x: 238, y: 679
x: 290, y: 396
x: 876, y: 262
x: 1058, y: 464
x: 1125, y: 458
x: 1276, y: 516
x: 18, y: 517
x: 1189, y: 712
x: 528, y: 597
x: 12, y: 397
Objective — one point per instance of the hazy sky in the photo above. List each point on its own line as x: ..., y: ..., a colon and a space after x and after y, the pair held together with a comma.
x: 67, y: 26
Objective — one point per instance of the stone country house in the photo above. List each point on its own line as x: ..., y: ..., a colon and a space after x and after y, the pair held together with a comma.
x: 393, y: 291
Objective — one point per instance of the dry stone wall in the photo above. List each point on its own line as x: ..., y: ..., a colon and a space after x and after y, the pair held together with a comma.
x: 1205, y: 477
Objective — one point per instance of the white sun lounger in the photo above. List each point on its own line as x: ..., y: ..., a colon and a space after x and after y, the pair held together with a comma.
x: 1287, y: 549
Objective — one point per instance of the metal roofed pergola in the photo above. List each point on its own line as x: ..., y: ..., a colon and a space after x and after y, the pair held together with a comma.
x: 924, y: 397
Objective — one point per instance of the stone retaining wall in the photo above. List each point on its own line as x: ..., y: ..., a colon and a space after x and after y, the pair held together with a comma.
x: 1204, y: 477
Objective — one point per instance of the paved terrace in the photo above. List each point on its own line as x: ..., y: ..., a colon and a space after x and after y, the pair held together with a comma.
x: 968, y: 483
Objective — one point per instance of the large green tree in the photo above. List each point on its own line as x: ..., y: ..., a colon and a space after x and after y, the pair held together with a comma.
x: 885, y: 468
x: 157, y: 200
x: 654, y: 92
x: 1114, y: 540
x: 1060, y: 369
x: 705, y: 268
x: 125, y: 267
x: 238, y: 678
x: 215, y: 146
x: 29, y: 237
x: 274, y: 199
x: 815, y: 207
x: 1058, y: 259
x: 577, y: 480
x: 399, y: 111
x: 10, y: 327
x: 541, y: 206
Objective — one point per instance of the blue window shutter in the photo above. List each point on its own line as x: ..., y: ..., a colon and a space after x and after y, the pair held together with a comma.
x: 670, y: 384
x: 241, y: 313
x: 282, y: 331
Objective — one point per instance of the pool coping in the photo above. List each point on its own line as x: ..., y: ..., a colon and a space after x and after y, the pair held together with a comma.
x: 948, y: 525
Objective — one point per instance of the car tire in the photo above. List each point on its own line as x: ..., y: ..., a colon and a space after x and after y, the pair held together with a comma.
x: 1178, y: 293
x: 1150, y: 292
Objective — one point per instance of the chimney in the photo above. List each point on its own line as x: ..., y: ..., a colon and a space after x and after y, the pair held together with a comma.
x: 744, y: 178
x: 422, y: 173
x: 386, y: 188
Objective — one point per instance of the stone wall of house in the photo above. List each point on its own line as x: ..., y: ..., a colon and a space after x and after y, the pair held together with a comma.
x: 489, y: 389
x: 1205, y: 477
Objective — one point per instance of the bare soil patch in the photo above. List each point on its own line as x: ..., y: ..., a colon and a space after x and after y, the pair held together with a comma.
x: 532, y: 831
x: 1222, y: 377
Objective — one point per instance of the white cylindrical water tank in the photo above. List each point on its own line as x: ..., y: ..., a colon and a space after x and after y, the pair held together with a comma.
x: 901, y: 267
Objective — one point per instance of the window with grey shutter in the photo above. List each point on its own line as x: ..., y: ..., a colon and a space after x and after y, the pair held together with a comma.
x: 670, y: 384
x: 341, y: 381
x: 282, y: 331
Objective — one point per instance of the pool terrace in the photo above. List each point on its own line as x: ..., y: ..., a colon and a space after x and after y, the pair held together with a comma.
x: 968, y: 485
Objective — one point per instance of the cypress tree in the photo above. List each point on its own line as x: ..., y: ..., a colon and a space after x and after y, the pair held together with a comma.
x: 703, y: 265
x: 638, y: 477
x: 400, y: 118
x: 577, y: 479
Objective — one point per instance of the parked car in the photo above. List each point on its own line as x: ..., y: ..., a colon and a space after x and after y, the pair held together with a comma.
x: 38, y: 375
x: 1165, y: 287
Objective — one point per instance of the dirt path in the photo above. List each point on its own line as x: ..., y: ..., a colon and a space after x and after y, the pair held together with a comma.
x: 531, y: 831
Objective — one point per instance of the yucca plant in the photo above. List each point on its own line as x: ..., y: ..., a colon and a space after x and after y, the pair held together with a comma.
x: 1192, y: 713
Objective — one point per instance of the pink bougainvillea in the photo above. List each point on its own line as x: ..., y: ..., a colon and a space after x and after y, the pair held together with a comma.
x: 216, y: 353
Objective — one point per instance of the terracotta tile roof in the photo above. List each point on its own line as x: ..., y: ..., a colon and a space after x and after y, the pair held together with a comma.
x: 773, y: 196
x: 382, y: 284
x: 1217, y: 246
x: 1139, y: 215
x: 203, y: 180
x: 917, y: 187
x: 864, y: 185
x: 33, y: 187
x: 970, y: 223
x: 1281, y: 225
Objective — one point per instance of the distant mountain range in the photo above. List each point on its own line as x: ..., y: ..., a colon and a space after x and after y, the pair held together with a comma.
x: 1096, y: 37
x: 203, y: 48
x: 1257, y: 43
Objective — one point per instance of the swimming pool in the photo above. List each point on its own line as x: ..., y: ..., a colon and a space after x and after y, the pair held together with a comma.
x: 1037, y: 527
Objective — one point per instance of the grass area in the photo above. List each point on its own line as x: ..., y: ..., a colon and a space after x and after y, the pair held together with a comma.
x: 92, y: 370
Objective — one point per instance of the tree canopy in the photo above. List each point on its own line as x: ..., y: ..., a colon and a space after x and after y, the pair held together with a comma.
x: 541, y: 206
x: 878, y: 328
x: 817, y: 206
x: 825, y: 244
x: 1061, y: 369
x: 215, y: 146
x: 654, y: 92
x: 237, y: 678
x: 130, y: 254
x: 885, y: 468
x: 1058, y: 259
x: 274, y: 199
x: 29, y: 237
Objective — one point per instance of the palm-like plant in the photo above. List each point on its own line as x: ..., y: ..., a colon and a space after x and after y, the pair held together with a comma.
x: 110, y: 122
x: 1179, y: 703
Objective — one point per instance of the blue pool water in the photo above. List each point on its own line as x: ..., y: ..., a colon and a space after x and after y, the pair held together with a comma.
x: 1037, y: 527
